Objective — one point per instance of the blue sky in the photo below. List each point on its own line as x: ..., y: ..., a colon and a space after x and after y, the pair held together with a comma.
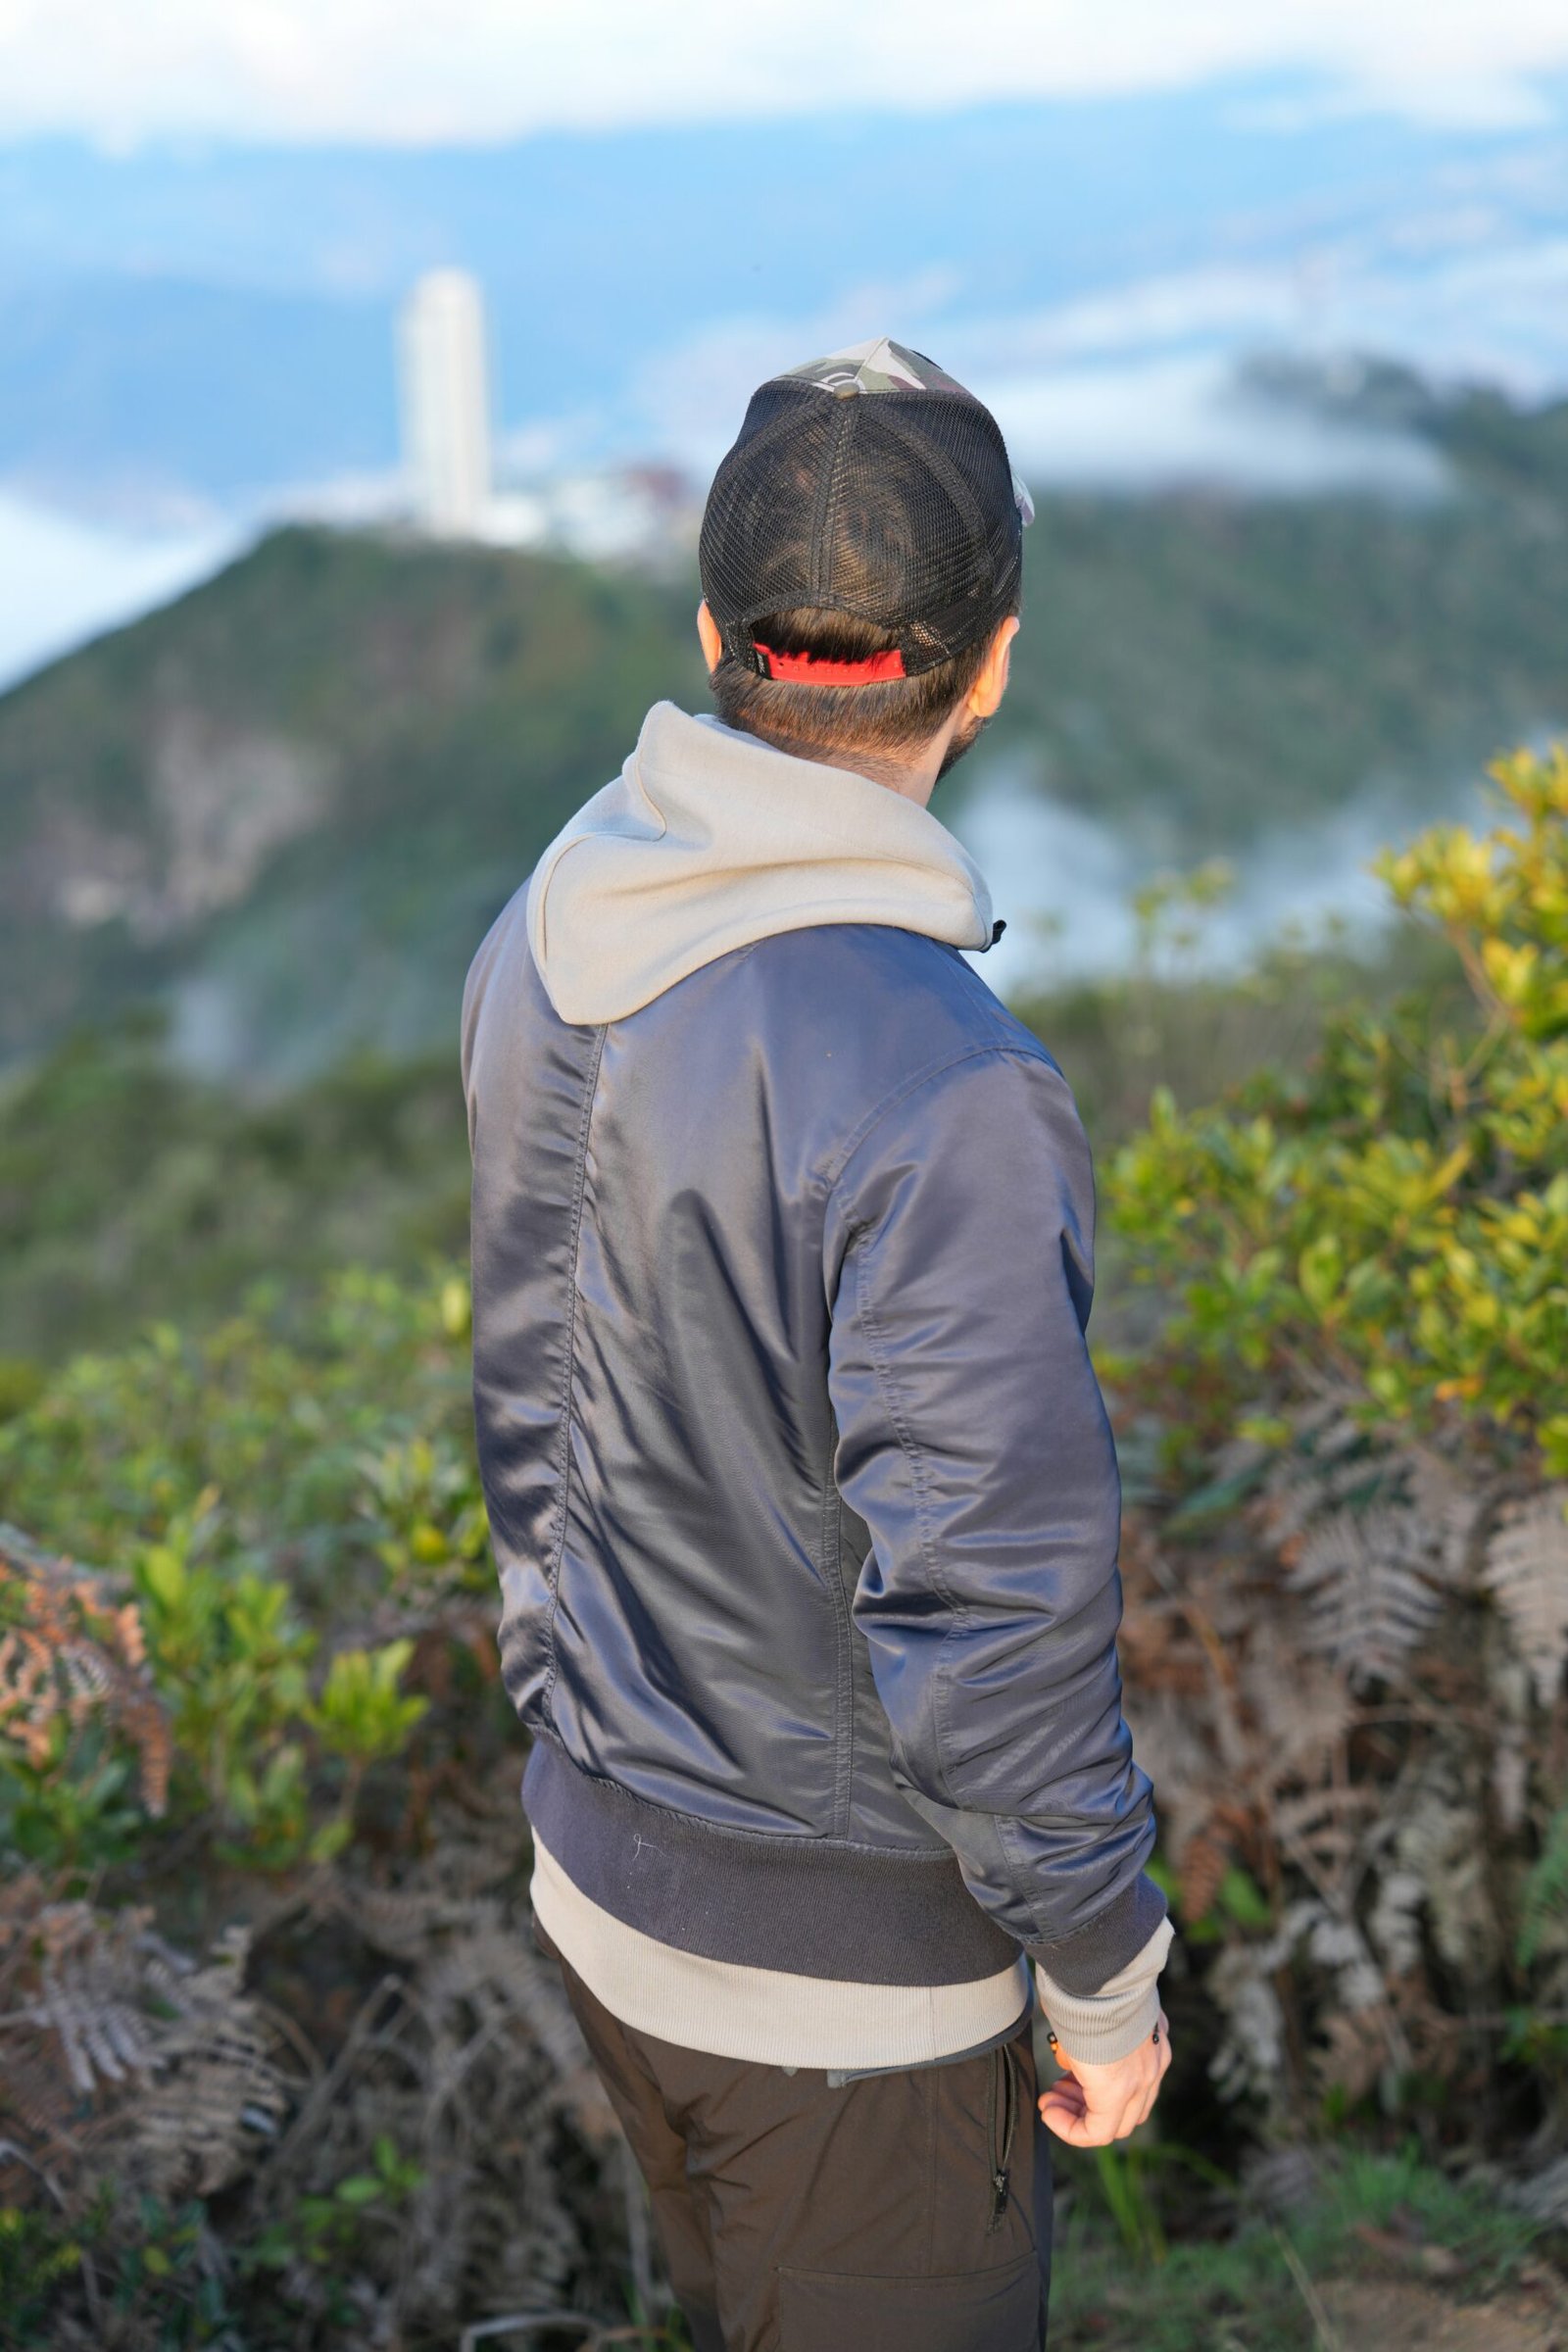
x: 214, y: 323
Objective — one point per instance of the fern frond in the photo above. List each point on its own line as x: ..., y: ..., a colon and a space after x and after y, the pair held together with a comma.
x: 88, y: 1994
x: 117, y: 2049
x: 1527, y: 1573
x: 1330, y: 1463
x: 1393, y: 1922
x: 1300, y: 1711
x: 1369, y: 1603
x: 1328, y: 1825
x: 1448, y: 1506
x: 1439, y: 1842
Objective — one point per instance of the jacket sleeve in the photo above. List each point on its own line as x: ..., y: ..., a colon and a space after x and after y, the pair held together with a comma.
x: 973, y: 1441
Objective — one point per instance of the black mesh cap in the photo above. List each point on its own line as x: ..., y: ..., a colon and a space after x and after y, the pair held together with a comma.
x: 866, y: 482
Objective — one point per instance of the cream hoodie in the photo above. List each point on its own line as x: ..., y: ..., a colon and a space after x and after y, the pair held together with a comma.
x: 710, y: 839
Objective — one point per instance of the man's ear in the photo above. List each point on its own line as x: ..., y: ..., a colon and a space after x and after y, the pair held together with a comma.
x: 985, y: 695
x: 707, y: 636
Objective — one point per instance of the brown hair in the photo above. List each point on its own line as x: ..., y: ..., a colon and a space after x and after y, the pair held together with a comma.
x: 885, y: 720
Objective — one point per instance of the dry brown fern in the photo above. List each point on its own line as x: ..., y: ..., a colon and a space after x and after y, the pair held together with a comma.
x: 215, y: 2093
x: 1327, y: 1464
x: 124, y: 2062
x: 1292, y: 1701
x: 1527, y: 1573
x: 1364, y: 1576
x: 71, y: 1647
x: 465, y: 2057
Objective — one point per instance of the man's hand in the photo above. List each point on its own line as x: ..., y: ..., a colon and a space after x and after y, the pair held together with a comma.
x: 1093, y: 2105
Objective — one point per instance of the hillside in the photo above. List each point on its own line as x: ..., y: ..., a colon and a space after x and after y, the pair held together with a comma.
x: 294, y: 798
x: 288, y: 805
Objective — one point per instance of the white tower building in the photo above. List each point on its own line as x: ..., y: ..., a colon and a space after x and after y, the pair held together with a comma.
x: 445, y: 388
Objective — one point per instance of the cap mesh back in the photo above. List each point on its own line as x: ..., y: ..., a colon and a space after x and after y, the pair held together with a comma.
x: 897, y: 507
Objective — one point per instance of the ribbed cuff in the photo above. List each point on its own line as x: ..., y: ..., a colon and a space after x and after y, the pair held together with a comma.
x: 1086, y: 1960
x: 1099, y: 2027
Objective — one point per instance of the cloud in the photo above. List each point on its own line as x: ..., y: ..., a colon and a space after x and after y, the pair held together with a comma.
x: 1063, y: 882
x: 61, y: 582
x: 1152, y: 425
x: 1463, y: 308
x: 400, y: 72
x: 1140, y: 386
x: 1091, y: 395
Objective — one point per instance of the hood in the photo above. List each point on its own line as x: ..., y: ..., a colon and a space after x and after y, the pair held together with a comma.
x: 710, y: 839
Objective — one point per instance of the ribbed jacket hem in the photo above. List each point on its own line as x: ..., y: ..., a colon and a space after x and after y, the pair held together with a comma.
x: 806, y: 1906
x: 767, y: 2015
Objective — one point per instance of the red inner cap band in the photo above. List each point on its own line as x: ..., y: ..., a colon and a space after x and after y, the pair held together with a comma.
x: 805, y: 670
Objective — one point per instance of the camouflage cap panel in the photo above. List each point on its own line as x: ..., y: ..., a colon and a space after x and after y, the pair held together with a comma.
x: 878, y: 366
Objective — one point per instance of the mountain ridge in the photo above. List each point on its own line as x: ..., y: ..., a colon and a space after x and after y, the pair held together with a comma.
x: 287, y: 806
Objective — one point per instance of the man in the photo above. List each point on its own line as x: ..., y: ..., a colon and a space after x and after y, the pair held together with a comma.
x: 801, y: 1491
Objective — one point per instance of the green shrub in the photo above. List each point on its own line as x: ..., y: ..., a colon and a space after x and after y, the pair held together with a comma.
x: 1348, y: 1581
x: 255, y: 1495
x: 1397, y: 1224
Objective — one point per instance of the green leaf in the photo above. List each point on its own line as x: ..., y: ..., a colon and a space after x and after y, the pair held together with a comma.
x: 1242, y: 1899
x: 360, y: 2189
x: 330, y: 1839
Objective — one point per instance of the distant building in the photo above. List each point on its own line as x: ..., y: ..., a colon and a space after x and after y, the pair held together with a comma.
x: 444, y: 387
x: 643, y: 515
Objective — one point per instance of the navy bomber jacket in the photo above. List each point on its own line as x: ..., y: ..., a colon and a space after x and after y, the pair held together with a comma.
x: 802, y: 1493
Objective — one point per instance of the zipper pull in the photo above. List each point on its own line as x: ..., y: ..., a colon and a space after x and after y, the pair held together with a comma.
x: 1009, y: 2110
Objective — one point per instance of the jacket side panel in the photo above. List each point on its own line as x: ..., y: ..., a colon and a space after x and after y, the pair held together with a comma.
x: 703, y: 1640
x: 706, y: 1659
x: 973, y: 1440
x: 530, y: 1090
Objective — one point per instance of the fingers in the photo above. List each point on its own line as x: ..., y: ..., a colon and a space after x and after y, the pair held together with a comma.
x: 1066, y: 2117
x: 1083, y: 2131
x: 1082, y: 2125
x: 1069, y: 2124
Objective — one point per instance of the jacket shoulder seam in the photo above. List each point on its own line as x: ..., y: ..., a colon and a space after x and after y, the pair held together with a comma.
x: 994, y: 1048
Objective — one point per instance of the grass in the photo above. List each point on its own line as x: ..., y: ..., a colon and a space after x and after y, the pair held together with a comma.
x: 1256, y: 2287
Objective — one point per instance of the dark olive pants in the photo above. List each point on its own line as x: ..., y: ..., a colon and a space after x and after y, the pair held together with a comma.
x: 905, y: 2211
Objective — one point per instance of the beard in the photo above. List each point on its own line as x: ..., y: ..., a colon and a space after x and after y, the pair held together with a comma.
x: 963, y: 740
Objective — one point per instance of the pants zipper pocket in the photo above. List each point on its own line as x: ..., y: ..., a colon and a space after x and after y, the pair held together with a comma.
x: 1001, y: 2146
